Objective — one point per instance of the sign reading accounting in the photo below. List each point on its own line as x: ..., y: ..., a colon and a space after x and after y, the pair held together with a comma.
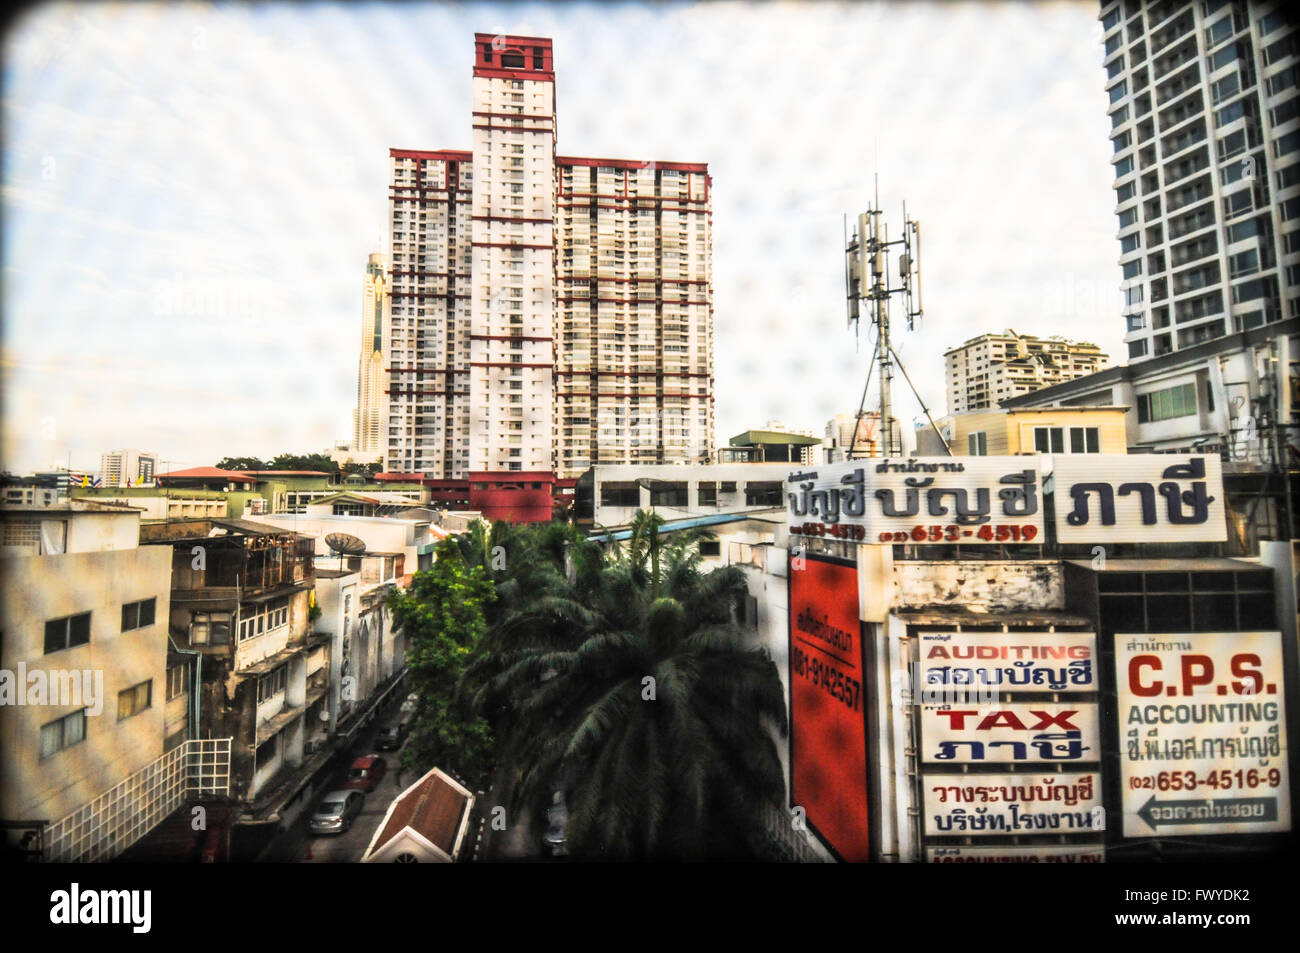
x: 828, y: 735
x: 1203, y: 733
x: 919, y: 499
x: 1139, y: 498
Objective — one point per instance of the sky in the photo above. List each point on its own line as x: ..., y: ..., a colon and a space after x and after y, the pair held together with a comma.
x: 191, y: 191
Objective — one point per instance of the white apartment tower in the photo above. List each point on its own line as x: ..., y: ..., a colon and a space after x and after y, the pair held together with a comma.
x: 547, y: 313
x: 1206, y: 131
x: 991, y: 368
x: 128, y: 467
x: 368, y: 417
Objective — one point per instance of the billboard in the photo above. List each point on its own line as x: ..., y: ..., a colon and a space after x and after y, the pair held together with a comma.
x: 919, y: 500
x: 1123, y: 498
x: 1010, y: 733
x: 1022, y: 661
x: 828, y: 733
x: 1202, y: 726
x: 981, y: 805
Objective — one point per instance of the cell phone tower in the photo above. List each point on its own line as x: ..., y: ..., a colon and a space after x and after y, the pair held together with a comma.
x: 870, y: 284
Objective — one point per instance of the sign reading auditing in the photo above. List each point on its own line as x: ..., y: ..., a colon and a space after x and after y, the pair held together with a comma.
x: 919, y: 499
x: 1203, y: 733
x: 1015, y: 662
x: 1155, y: 498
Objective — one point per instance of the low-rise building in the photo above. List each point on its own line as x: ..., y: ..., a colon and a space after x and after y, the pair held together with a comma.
x: 611, y: 495
x: 90, y: 693
x: 980, y: 433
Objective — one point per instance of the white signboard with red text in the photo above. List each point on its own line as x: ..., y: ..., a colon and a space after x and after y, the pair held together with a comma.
x: 1202, y: 726
x: 1033, y: 661
x: 1010, y: 733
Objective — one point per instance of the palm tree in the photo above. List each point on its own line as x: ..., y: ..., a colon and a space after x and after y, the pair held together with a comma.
x: 629, y: 686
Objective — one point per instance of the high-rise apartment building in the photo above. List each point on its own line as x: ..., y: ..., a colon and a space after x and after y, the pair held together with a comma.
x: 1206, y: 132
x: 368, y: 417
x: 547, y: 312
x: 994, y: 367
x: 128, y: 467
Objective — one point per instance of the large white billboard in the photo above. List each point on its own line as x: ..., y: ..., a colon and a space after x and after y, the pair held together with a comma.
x: 1148, y: 498
x: 1202, y: 725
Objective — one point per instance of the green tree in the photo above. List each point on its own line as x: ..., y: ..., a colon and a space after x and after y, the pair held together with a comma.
x: 241, y: 463
x: 626, y: 682
x: 442, y: 615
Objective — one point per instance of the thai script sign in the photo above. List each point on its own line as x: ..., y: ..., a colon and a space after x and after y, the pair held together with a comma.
x: 1009, y: 661
x: 828, y: 739
x: 1116, y: 498
x: 976, y: 805
x: 1202, y: 727
x: 919, y: 499
x: 1010, y: 733
x: 1090, y: 854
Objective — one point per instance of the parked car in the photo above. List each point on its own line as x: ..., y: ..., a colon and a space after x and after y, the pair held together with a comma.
x: 557, y: 819
x: 366, y: 772
x: 336, y: 811
x: 391, y: 736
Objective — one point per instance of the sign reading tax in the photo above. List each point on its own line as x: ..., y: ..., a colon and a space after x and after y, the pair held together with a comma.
x: 1202, y: 726
x: 1010, y: 733
x: 919, y: 499
x: 1118, y: 498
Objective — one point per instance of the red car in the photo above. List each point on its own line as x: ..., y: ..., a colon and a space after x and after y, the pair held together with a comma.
x: 366, y: 772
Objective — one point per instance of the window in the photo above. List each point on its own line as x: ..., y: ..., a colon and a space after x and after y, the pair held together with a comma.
x: 63, y: 733
x: 266, y: 751
x: 672, y: 494
x: 1179, y: 401
x: 1085, y: 440
x: 134, y: 700
x: 175, y: 681
x: 263, y: 618
x: 1049, y: 440
x: 620, y: 494
x: 136, y: 615
x: 67, y: 632
x: 977, y: 444
x: 268, y: 686
x: 1218, y: 32
x: 708, y: 494
x: 710, y: 548
x: 764, y: 493
x: 209, y: 628
x: 1137, y: 348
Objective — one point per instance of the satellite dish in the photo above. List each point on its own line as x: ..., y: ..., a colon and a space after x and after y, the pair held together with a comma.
x: 342, y: 543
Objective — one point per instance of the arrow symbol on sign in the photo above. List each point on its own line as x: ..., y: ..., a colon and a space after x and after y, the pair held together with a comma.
x: 1147, y: 811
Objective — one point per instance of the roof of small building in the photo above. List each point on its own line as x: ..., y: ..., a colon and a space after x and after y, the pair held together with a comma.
x: 209, y: 473
x: 433, y: 807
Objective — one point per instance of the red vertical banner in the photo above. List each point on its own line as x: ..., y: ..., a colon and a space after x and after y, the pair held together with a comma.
x: 828, y: 731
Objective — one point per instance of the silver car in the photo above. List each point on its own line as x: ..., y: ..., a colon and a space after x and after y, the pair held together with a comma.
x: 336, y: 811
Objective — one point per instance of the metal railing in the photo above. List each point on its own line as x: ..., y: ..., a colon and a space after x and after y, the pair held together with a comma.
x: 126, y: 812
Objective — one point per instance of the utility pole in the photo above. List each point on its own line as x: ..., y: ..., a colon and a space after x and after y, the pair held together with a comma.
x: 868, y: 278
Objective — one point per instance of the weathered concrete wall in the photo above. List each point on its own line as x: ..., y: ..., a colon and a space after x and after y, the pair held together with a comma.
x: 997, y: 586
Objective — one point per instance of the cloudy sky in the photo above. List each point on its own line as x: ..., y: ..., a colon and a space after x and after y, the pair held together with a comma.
x: 190, y: 193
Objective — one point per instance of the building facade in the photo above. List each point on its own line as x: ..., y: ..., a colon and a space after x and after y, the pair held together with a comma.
x: 127, y: 467
x: 368, y: 417
x: 993, y: 367
x: 1206, y: 130
x: 980, y: 433
x: 547, y: 312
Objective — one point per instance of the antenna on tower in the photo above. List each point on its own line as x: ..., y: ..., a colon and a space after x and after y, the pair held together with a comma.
x: 869, y: 278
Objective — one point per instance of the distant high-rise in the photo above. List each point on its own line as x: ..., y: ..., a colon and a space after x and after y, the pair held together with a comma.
x: 1206, y: 131
x: 128, y: 467
x: 547, y: 313
x: 368, y: 417
x: 994, y: 367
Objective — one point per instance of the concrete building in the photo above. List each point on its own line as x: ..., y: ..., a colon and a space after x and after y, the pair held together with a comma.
x: 547, y: 312
x: 127, y: 468
x: 372, y: 377
x: 992, y: 367
x: 240, y: 598
x: 84, y: 619
x: 610, y: 496
x: 1075, y: 429
x: 1205, y: 125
